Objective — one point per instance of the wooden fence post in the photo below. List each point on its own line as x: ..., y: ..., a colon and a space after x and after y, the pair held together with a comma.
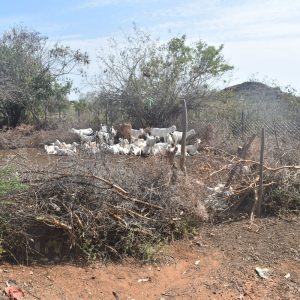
x: 261, y: 172
x: 183, y: 141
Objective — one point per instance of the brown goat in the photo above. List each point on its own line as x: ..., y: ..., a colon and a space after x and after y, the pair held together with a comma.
x: 123, y: 131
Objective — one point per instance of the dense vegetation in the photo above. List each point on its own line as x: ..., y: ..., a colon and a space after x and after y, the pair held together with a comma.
x: 33, y: 76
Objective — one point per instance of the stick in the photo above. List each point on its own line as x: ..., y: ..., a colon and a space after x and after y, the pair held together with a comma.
x: 183, y: 141
x: 242, y: 155
x: 261, y: 173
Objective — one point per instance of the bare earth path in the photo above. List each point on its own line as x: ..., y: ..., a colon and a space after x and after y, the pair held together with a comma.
x: 218, y: 264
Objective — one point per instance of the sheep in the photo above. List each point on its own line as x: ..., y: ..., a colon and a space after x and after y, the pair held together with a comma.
x: 124, y: 131
x: 87, y: 131
x: 163, y: 132
x: 137, y: 133
x: 176, y: 136
x: 192, y: 149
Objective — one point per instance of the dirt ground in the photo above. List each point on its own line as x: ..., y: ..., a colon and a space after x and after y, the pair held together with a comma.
x: 218, y: 264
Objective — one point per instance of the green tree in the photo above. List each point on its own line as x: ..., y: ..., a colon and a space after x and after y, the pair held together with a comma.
x: 151, y: 78
x: 33, y: 74
x: 80, y: 106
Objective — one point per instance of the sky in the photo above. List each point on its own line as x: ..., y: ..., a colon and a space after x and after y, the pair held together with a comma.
x: 261, y: 37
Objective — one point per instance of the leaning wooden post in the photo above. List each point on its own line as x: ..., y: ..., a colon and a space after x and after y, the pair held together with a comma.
x: 261, y: 170
x: 183, y: 141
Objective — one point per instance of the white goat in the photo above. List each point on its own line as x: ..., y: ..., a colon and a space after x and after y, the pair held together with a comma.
x: 160, y: 148
x: 86, y: 138
x: 124, y: 146
x: 150, y: 142
x: 176, y: 136
x: 141, y: 143
x: 135, y: 150
x: 63, y: 152
x: 103, y: 137
x: 61, y: 148
x: 104, y: 128
x: 91, y: 147
x: 87, y: 131
x: 192, y: 149
x: 136, y: 133
x: 71, y: 147
x: 163, y: 132
x: 50, y: 149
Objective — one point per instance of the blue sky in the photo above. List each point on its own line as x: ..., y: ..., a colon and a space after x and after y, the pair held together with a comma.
x: 261, y: 37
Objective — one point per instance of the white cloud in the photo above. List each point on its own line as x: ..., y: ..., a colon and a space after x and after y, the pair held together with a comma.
x: 101, y: 3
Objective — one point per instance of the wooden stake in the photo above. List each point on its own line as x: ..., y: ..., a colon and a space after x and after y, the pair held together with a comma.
x: 261, y: 169
x: 183, y: 141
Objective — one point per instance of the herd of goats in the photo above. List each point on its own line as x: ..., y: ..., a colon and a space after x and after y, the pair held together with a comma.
x: 126, y: 140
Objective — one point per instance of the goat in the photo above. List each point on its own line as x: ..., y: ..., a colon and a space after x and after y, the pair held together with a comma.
x: 192, y: 149
x: 86, y: 138
x: 91, y: 147
x: 150, y: 142
x: 137, y: 133
x: 63, y: 152
x: 102, y: 137
x: 123, y: 131
x: 69, y: 146
x: 61, y: 148
x: 87, y: 131
x: 163, y: 132
x: 114, y: 149
x: 103, y: 128
x: 160, y: 148
x: 135, y: 150
x: 141, y: 143
x: 50, y: 149
x: 176, y: 136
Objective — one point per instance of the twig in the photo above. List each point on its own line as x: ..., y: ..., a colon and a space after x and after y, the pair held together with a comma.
x: 115, y: 188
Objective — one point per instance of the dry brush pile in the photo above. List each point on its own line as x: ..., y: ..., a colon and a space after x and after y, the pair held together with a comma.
x: 100, y: 207
x: 234, y: 182
x: 109, y: 207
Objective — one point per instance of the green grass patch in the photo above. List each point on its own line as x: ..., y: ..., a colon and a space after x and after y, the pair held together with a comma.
x: 9, y: 180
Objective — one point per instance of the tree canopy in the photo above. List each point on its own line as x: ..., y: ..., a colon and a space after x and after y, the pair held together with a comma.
x: 33, y: 74
x: 152, y: 77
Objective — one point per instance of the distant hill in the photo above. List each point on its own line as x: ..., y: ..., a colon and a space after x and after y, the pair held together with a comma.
x: 263, y: 100
x: 256, y: 91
